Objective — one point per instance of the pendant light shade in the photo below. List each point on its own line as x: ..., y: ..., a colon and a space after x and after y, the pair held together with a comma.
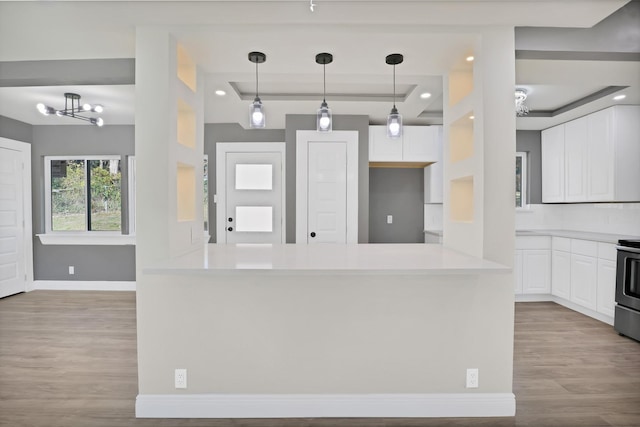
x: 394, y: 120
x: 257, y: 119
x: 323, y: 118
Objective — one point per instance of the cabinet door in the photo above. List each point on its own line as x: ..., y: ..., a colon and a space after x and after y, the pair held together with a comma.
x: 420, y: 144
x: 517, y: 272
x: 536, y: 269
x: 382, y: 148
x: 584, y: 270
x: 606, y: 291
x: 553, y: 164
x: 600, y: 155
x: 575, y: 151
x: 561, y: 274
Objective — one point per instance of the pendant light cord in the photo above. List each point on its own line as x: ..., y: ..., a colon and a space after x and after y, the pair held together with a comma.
x: 324, y: 83
x: 394, y: 85
x: 256, y: 79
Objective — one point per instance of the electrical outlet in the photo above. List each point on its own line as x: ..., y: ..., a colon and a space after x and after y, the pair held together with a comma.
x: 472, y: 378
x: 181, y: 378
x: 389, y: 219
x: 72, y: 269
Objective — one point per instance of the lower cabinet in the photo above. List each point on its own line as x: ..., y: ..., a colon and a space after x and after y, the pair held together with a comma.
x: 606, y: 292
x: 536, y: 271
x: 561, y: 274
x: 584, y: 276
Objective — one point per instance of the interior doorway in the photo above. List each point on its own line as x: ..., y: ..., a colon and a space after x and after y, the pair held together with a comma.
x: 250, y: 199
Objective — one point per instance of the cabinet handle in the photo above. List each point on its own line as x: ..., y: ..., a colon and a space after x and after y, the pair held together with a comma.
x: 230, y: 229
x: 313, y: 234
x: 230, y: 219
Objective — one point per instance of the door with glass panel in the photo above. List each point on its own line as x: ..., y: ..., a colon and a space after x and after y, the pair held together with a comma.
x: 253, y: 197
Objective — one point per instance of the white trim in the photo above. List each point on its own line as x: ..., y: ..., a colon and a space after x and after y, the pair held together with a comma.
x: 325, y: 405
x: 25, y: 149
x: 565, y: 303
x: 78, y: 285
x: 222, y: 148
x: 533, y: 297
x: 303, y: 137
x: 86, y: 238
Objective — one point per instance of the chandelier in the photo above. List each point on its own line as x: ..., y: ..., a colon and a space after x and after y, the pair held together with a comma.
x: 521, y: 109
x: 72, y: 108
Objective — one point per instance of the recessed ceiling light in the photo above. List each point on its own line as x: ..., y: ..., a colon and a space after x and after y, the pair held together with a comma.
x: 220, y: 92
x: 425, y: 95
x: 470, y: 58
x: 619, y: 97
x: 472, y: 117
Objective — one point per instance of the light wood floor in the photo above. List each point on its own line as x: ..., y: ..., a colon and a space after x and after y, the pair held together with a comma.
x: 68, y: 359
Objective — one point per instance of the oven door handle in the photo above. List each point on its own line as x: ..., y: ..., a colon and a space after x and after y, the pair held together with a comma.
x: 628, y: 249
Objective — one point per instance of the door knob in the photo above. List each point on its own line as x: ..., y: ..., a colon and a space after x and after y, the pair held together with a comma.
x: 230, y: 229
x: 313, y: 234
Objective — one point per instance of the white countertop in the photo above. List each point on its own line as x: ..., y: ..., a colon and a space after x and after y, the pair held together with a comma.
x: 326, y: 259
x: 582, y: 235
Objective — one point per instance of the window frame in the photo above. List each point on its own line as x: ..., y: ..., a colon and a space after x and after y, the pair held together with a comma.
x: 524, y: 196
x: 48, y: 203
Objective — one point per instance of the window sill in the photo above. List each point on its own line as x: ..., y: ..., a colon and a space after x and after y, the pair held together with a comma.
x: 86, y: 239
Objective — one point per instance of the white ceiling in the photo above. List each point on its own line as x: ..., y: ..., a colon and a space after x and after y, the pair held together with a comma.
x: 433, y: 35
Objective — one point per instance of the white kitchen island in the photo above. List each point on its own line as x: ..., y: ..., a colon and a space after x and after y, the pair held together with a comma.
x: 326, y: 331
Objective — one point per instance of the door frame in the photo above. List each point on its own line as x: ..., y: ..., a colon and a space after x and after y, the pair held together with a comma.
x: 303, y: 137
x: 25, y: 149
x: 220, y: 199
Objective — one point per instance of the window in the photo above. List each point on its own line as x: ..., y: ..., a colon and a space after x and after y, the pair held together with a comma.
x: 205, y: 200
x: 521, y: 180
x: 83, y: 194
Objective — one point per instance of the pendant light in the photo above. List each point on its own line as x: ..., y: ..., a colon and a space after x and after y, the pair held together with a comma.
x: 324, y: 113
x: 394, y: 120
x: 256, y: 110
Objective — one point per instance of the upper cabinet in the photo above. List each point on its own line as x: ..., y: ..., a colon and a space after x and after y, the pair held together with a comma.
x: 418, y: 144
x: 594, y: 158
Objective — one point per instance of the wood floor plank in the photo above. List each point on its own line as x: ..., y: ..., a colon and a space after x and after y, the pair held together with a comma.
x: 68, y: 359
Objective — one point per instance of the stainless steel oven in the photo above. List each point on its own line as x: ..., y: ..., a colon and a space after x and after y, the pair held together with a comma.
x: 627, y: 314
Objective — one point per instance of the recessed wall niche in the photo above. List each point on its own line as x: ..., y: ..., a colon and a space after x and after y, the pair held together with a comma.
x: 461, y: 138
x: 186, y: 69
x: 461, y: 197
x: 186, y: 125
x: 186, y: 197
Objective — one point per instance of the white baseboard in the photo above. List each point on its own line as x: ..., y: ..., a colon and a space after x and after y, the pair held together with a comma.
x: 586, y: 311
x: 533, y: 297
x: 325, y: 405
x: 78, y: 285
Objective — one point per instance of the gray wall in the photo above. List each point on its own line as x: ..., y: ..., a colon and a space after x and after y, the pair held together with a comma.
x: 296, y: 122
x: 13, y: 129
x: 529, y: 142
x: 397, y: 192
x: 108, y: 263
x: 233, y: 132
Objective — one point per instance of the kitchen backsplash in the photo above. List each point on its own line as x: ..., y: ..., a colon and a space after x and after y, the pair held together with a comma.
x: 613, y: 218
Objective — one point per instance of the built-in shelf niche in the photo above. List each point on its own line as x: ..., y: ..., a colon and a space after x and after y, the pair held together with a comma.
x: 186, y: 69
x: 460, y: 82
x: 186, y: 125
x: 186, y: 197
x: 461, y: 199
x: 461, y: 138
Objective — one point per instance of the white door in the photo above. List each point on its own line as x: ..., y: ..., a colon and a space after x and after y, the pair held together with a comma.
x: 327, y: 187
x: 253, y: 197
x: 327, y: 195
x: 12, y: 248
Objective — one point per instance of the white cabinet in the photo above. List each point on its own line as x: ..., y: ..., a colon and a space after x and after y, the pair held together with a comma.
x: 575, y: 155
x: 606, y: 291
x: 536, y: 271
x: 561, y: 274
x: 417, y: 144
x: 593, y: 158
x: 584, y: 271
x: 553, y: 164
x: 433, y: 174
x: 532, y: 268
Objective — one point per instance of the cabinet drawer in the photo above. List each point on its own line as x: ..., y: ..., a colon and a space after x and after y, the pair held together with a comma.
x: 584, y: 247
x: 561, y: 244
x: 607, y: 251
